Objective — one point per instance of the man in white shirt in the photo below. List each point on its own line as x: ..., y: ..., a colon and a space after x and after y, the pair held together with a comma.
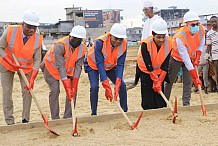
x: 147, y: 26
x: 204, y: 66
x: 146, y: 32
x: 212, y: 42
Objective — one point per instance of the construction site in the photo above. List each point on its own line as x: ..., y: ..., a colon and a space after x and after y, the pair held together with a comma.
x: 111, y: 127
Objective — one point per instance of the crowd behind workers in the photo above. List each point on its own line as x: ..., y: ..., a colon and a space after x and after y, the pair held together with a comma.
x: 159, y: 59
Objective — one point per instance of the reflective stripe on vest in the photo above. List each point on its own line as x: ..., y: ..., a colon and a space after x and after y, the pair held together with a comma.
x: 36, y: 44
x: 10, y: 45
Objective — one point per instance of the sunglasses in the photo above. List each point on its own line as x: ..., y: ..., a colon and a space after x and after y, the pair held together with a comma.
x: 195, y: 24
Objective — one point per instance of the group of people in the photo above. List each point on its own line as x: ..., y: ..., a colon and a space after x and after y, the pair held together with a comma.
x: 158, y: 61
x: 161, y: 58
x: 63, y: 62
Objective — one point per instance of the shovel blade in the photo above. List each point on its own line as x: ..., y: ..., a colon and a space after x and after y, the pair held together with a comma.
x: 137, y: 122
x: 52, y: 131
x: 46, y: 125
x: 174, y: 119
x: 203, y: 110
x: 75, y: 132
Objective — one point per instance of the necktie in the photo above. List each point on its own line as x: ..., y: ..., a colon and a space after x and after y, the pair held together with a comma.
x: 25, y: 40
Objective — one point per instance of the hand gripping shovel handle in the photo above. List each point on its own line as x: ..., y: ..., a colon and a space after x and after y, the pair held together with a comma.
x: 170, y: 106
x: 74, y: 132
x: 34, y: 97
x: 132, y: 126
x: 201, y: 96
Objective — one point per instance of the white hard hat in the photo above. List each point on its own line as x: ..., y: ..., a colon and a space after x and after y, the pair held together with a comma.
x: 78, y: 32
x: 31, y: 17
x: 118, y: 30
x: 190, y: 16
x: 159, y: 26
x: 147, y: 4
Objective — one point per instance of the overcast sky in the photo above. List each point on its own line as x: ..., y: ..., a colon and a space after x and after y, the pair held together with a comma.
x: 52, y: 10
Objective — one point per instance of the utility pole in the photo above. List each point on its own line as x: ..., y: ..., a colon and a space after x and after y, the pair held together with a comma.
x: 73, y: 16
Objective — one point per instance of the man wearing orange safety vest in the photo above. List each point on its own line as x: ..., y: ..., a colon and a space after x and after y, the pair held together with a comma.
x: 107, y: 58
x: 153, y: 60
x: 189, y: 42
x: 64, y: 62
x: 25, y: 44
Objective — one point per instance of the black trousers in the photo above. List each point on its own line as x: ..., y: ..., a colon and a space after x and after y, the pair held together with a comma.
x: 150, y: 98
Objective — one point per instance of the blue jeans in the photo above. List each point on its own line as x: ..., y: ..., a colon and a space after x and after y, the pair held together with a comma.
x: 94, y: 88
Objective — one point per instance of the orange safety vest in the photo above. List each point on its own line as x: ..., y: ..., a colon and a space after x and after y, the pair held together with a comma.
x: 190, y: 42
x: 110, y: 56
x: 69, y: 57
x: 23, y: 53
x: 157, y: 57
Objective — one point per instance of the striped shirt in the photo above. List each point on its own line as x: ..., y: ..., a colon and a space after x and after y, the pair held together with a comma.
x: 203, y: 58
x: 212, y: 39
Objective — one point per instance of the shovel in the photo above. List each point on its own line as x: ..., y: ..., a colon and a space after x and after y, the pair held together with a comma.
x: 174, y: 113
x: 74, y: 132
x: 132, y: 125
x: 34, y: 98
x: 201, y: 96
x: 175, y: 109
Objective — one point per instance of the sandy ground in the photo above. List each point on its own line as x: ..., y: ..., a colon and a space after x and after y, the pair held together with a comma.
x: 154, y: 129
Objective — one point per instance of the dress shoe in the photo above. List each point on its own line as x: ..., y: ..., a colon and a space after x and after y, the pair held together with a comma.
x: 205, y: 90
x: 11, y: 123
x: 24, y: 121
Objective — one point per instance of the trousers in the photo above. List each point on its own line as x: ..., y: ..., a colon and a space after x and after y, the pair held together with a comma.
x: 215, y: 67
x: 174, y: 67
x: 7, y: 78
x: 54, y: 91
x: 205, y: 69
x: 94, y: 88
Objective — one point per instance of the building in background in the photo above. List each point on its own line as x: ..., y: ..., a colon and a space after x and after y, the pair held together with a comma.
x: 4, y: 25
x: 93, y: 18
x: 110, y: 16
x: 173, y: 17
x: 134, y: 36
x: 97, y: 22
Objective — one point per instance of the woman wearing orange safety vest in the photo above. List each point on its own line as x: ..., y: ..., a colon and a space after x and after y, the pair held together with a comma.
x: 107, y: 58
x: 64, y: 62
x: 189, y: 42
x: 25, y: 44
x: 153, y: 60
